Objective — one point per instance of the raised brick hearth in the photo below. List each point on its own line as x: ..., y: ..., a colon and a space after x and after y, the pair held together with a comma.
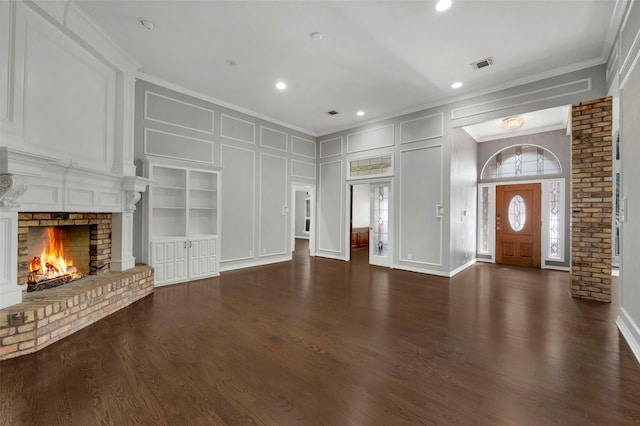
x: 45, y: 317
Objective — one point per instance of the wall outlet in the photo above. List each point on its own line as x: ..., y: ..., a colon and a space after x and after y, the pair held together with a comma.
x: 250, y: 252
x: 410, y: 256
x: 264, y: 251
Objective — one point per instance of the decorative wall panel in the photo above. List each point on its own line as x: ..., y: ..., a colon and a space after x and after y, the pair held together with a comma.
x: 421, y: 208
x: 237, y: 129
x: 237, y: 199
x: 331, y: 147
x: 171, y: 145
x: 427, y: 127
x: 164, y: 109
x: 273, y: 139
x: 303, y: 169
x: 273, y: 199
x: 304, y: 147
x: 370, y: 139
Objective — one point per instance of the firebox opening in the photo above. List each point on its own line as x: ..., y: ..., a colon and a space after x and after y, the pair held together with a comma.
x: 57, y: 255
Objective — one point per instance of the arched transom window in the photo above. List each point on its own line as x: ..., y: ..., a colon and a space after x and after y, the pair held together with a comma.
x: 521, y: 160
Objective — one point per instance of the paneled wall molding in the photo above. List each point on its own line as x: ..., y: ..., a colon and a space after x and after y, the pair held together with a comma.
x: 303, y: 169
x: 274, y: 208
x: 422, y: 128
x: 422, y: 206
x: 524, y: 98
x: 209, y: 129
x: 277, y: 141
x: 192, y: 93
x: 303, y: 147
x: 238, y: 212
x: 172, y: 145
x: 377, y: 137
x: 331, y: 147
x: 230, y: 128
x: 629, y: 42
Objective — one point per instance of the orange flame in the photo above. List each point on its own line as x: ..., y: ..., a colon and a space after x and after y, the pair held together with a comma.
x: 51, y: 263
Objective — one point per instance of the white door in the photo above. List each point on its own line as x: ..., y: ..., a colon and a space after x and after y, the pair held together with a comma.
x: 379, y: 247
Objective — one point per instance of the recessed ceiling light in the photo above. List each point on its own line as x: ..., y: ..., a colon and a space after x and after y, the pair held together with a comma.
x: 316, y: 35
x: 149, y: 25
x: 457, y: 85
x: 281, y: 85
x: 443, y: 5
x: 360, y: 113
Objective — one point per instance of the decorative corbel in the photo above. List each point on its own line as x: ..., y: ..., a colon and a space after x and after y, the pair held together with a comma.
x: 133, y: 187
x: 130, y: 200
x: 11, y: 189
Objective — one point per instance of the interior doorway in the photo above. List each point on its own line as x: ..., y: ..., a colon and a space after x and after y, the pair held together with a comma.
x: 303, y: 217
x: 518, y: 224
x: 370, y: 221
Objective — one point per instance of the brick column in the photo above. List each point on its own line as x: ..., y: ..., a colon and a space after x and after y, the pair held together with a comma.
x: 591, y: 200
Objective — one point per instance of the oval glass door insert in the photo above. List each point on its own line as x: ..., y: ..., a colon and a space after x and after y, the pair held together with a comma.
x: 517, y: 213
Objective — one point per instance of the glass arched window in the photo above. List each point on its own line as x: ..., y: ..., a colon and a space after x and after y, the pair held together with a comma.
x: 521, y: 160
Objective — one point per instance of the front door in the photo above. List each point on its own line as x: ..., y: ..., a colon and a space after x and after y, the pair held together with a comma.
x: 518, y: 224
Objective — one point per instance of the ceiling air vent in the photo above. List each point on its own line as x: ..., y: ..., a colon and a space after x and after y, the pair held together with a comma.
x: 482, y: 63
x: 332, y: 112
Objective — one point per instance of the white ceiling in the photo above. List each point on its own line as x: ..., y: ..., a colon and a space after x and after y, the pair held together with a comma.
x: 382, y: 57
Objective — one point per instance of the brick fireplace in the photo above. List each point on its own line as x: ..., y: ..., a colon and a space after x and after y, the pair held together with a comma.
x: 99, y: 238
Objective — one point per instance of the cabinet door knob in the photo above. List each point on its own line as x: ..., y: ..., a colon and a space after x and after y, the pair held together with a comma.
x: 185, y: 244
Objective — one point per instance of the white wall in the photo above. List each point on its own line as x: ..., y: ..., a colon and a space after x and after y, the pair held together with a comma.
x: 361, y: 210
x: 463, y: 198
x: 626, y: 56
x: 260, y: 160
x: 431, y: 187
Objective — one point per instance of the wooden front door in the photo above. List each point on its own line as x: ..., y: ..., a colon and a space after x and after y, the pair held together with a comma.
x: 518, y: 224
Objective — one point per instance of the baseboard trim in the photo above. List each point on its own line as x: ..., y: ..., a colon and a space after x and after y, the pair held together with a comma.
x: 462, y: 268
x: 251, y: 264
x: 630, y: 331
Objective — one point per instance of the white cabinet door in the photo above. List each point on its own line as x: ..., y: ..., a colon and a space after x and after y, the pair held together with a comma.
x: 202, y: 258
x: 168, y: 257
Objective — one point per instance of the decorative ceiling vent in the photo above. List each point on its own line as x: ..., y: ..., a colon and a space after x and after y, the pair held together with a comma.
x: 482, y: 63
x: 332, y: 112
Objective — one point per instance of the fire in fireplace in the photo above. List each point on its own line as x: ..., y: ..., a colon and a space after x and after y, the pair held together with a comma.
x: 54, y: 255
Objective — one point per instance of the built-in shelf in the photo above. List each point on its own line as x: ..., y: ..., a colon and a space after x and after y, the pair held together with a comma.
x: 183, y: 221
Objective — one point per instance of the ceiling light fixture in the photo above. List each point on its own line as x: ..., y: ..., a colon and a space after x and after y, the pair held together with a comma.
x: 360, y: 113
x: 457, y: 85
x: 512, y: 123
x: 149, y: 25
x: 316, y: 35
x: 231, y: 62
x: 443, y: 5
x: 281, y: 85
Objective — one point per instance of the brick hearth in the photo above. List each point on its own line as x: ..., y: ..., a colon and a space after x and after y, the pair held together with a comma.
x: 45, y: 317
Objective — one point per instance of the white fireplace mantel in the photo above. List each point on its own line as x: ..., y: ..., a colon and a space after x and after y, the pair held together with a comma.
x: 35, y: 183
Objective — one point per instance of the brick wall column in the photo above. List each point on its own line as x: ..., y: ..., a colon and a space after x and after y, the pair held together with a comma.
x: 591, y: 199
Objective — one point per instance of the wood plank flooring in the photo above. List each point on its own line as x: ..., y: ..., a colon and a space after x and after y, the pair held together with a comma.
x: 320, y: 341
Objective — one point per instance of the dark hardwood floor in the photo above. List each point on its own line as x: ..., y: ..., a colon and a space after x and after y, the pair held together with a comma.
x: 319, y: 341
